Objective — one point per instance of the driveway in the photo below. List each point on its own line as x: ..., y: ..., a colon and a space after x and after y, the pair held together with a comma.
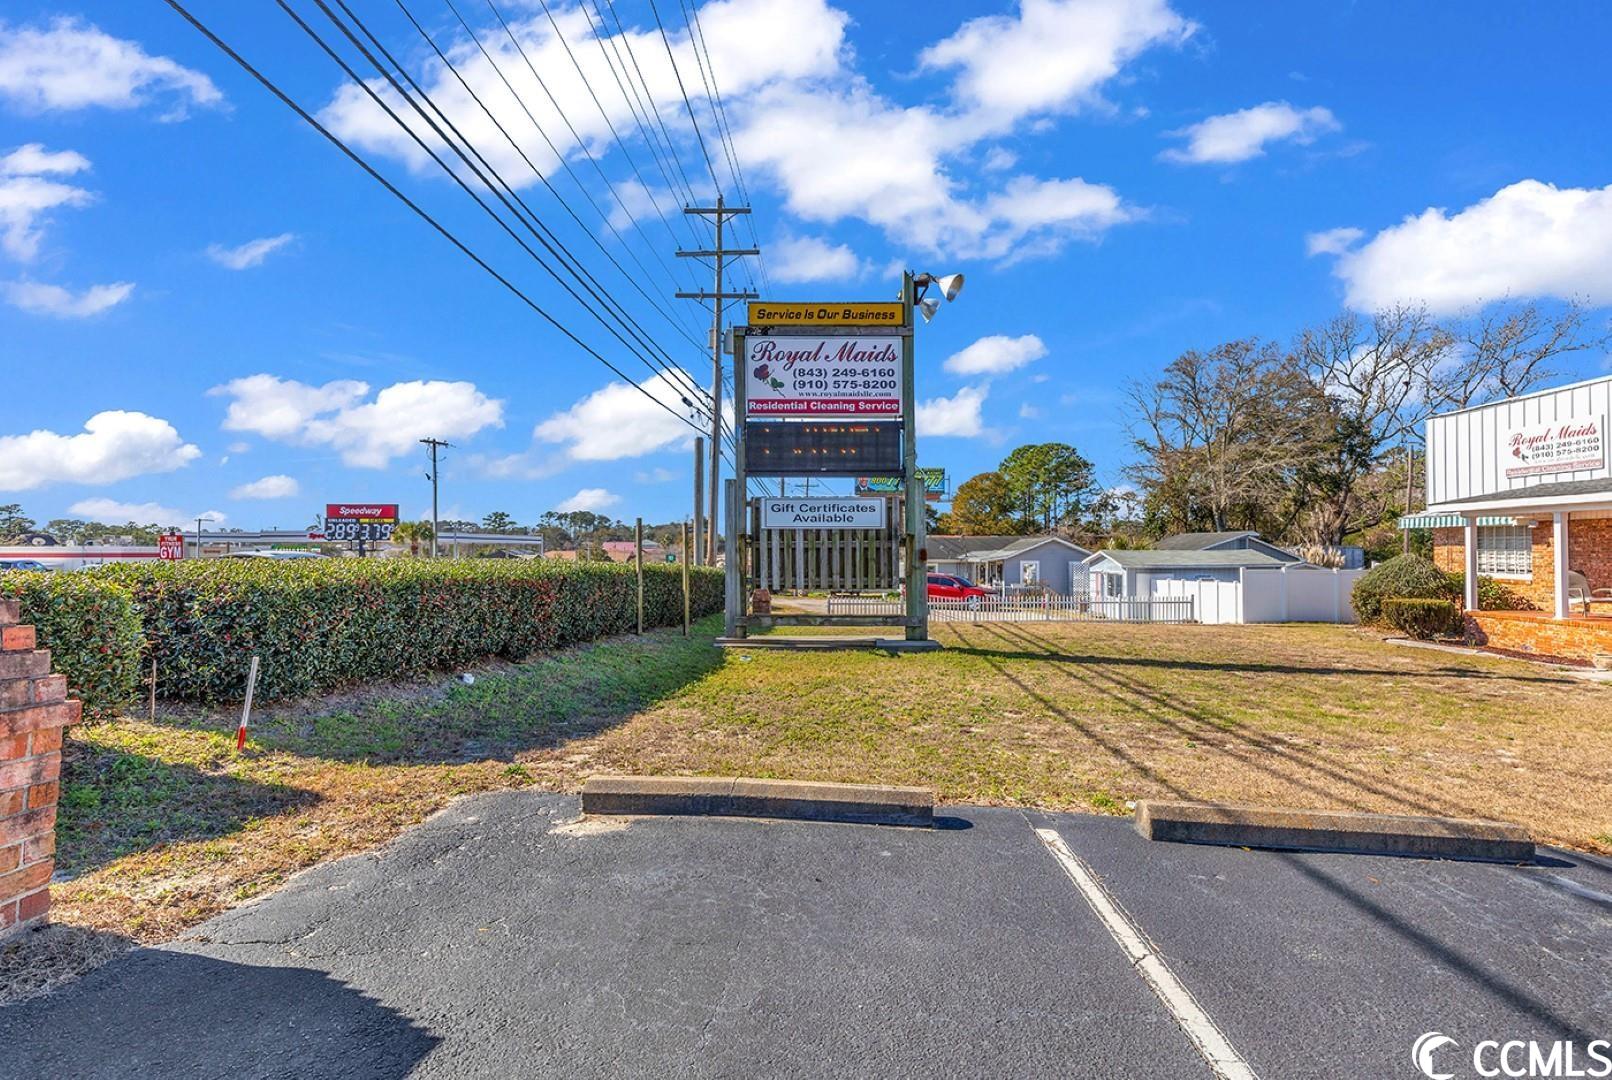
x: 498, y: 940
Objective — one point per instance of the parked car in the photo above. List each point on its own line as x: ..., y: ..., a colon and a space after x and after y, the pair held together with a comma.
x: 22, y: 564
x: 956, y: 587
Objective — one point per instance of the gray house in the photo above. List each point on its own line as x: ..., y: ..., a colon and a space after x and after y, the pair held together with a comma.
x: 1238, y: 540
x: 1135, y: 573
x: 1011, y: 562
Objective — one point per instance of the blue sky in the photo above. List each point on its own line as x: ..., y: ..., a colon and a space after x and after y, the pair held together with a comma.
x: 205, y: 307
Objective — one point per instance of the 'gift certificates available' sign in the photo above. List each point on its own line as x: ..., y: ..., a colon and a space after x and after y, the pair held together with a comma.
x: 847, y: 377
x: 1557, y: 447
x: 852, y: 513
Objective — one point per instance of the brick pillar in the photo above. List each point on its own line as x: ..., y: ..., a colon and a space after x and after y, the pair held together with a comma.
x: 34, y: 709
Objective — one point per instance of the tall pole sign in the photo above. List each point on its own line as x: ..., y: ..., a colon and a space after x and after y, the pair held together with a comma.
x: 825, y: 389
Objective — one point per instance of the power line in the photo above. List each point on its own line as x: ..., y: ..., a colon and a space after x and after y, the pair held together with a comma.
x: 725, y: 127
x: 634, y: 104
x: 630, y: 325
x: 357, y: 159
x: 707, y: 79
x: 588, y: 85
x: 680, y: 327
x: 521, y: 49
x: 694, y: 120
x: 649, y: 96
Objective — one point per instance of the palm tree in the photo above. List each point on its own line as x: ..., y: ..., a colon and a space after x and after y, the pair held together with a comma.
x: 414, y: 532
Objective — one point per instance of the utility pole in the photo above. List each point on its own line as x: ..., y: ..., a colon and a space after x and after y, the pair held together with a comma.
x: 435, y: 445
x: 699, y: 494
x: 717, y: 258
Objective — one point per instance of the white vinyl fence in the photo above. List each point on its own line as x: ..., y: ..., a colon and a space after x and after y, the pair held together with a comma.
x: 1260, y: 595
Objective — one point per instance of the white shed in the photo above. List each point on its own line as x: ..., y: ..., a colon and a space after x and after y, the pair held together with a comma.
x: 1228, y: 586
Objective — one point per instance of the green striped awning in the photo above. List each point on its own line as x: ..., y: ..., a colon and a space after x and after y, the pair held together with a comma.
x: 1448, y: 521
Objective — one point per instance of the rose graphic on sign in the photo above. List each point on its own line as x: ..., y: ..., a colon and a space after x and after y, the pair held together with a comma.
x: 764, y: 373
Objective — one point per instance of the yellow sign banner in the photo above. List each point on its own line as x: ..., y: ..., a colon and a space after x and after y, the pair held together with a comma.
x: 836, y: 313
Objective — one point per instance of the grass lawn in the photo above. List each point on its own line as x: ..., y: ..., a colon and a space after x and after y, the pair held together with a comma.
x: 163, y: 825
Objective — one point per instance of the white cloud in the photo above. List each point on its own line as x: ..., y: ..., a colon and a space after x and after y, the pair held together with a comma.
x: 800, y: 259
x: 591, y: 499
x: 956, y: 415
x: 40, y: 299
x: 114, y: 445
x: 996, y: 354
x: 250, y: 254
x: 1241, y: 135
x: 1054, y: 56
x: 73, y: 65
x: 32, y: 159
x: 281, y: 408
x: 999, y: 159
x: 659, y: 475
x: 278, y: 486
x: 807, y: 123
x: 617, y: 421
x: 751, y: 43
x: 113, y: 512
x: 24, y: 201
x: 367, y: 434
x: 1528, y: 240
x: 1028, y: 411
x: 847, y: 152
x: 1332, y: 241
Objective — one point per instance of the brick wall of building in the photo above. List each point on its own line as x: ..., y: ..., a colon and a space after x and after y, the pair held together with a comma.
x: 1589, y: 551
x: 34, y: 709
x: 1538, y: 633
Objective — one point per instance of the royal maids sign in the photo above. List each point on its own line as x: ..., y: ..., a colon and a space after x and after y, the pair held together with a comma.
x: 1559, y: 447
x: 846, y: 377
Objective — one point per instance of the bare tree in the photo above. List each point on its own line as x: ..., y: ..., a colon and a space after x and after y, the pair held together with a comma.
x: 1508, y: 351
x: 1377, y: 377
x: 1222, y: 432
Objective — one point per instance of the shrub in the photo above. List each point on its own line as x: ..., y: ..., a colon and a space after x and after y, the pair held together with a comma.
x: 1422, y: 619
x: 1492, y: 595
x: 92, y: 630
x: 316, y: 625
x: 1403, y: 577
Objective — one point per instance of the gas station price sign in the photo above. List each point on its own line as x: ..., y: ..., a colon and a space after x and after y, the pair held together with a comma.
x: 822, y: 448
x: 360, y: 521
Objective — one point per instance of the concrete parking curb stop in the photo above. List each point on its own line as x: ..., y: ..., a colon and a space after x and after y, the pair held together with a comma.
x: 1334, y: 830
x: 806, y: 800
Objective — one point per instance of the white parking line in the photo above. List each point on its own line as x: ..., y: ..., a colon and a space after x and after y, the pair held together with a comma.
x: 1209, y: 1039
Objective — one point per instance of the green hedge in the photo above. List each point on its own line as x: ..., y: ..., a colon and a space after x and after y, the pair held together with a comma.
x: 1492, y: 595
x: 92, y: 630
x: 1406, y: 576
x: 1422, y: 619
x: 320, y: 624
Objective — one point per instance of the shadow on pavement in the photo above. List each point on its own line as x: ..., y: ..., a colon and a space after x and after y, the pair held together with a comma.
x: 172, y: 1014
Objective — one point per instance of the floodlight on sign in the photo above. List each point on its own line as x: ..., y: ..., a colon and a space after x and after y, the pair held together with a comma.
x: 927, y: 307
x: 950, y: 286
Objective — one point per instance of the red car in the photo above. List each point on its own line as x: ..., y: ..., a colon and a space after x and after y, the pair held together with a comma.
x: 953, y: 587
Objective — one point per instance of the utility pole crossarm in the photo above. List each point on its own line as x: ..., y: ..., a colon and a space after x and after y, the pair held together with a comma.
x: 717, y: 254
x: 746, y: 295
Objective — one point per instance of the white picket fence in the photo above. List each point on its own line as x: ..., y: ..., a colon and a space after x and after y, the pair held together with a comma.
x: 1044, y: 608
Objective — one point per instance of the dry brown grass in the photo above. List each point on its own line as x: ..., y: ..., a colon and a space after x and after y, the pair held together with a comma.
x: 163, y: 825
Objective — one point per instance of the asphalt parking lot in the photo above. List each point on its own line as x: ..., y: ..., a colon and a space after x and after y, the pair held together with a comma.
x: 497, y: 940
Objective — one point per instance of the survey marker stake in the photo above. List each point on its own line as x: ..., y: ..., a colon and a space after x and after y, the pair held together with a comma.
x: 246, y: 707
